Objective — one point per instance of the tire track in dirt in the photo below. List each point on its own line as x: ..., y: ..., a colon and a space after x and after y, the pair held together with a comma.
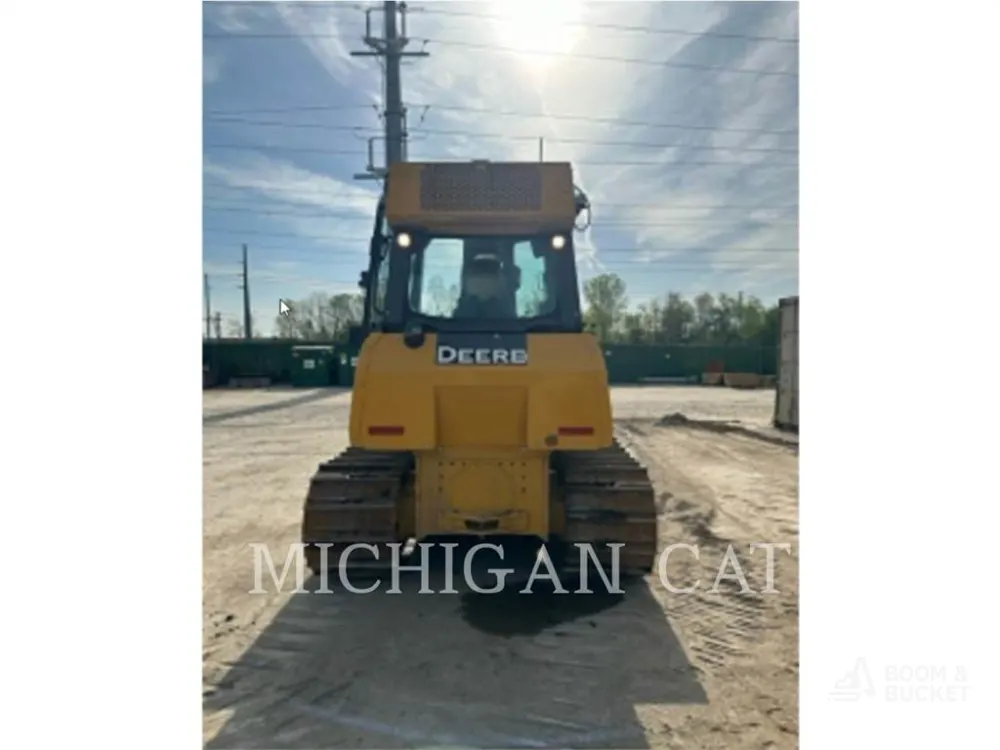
x: 399, y: 671
x: 750, y: 481
x: 720, y: 489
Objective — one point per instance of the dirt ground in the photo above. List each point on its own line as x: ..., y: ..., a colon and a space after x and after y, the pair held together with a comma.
x: 705, y: 669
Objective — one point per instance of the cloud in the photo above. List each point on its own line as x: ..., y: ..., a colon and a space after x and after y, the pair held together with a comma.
x: 237, y: 18
x: 290, y: 215
x: 692, y: 168
x: 321, y: 32
x: 287, y: 183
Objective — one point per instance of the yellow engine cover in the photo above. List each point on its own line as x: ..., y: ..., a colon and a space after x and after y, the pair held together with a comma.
x: 482, y: 432
x: 557, y: 400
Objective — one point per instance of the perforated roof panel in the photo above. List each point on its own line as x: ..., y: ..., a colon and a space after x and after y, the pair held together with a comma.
x: 480, y: 187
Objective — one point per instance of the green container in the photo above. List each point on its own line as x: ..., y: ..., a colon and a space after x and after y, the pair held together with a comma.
x: 256, y: 358
x: 347, y: 364
x: 636, y: 363
x: 312, y: 366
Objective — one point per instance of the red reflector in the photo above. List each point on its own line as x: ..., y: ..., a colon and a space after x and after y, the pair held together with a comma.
x: 383, y: 429
x: 576, y: 430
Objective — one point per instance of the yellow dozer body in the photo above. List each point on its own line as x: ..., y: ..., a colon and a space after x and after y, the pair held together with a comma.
x: 479, y: 424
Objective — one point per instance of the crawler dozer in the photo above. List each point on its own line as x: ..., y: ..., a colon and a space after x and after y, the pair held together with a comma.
x: 485, y: 423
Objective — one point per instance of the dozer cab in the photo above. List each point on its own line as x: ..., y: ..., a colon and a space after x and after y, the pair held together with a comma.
x: 480, y: 406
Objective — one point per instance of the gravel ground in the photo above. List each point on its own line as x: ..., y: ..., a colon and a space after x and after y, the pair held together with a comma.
x: 229, y: 402
x: 751, y: 407
x: 650, y: 669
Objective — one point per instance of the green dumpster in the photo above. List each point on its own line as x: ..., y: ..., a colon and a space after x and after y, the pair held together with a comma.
x: 312, y: 366
x: 347, y: 365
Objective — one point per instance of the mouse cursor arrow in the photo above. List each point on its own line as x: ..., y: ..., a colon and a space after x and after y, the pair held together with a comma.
x: 284, y: 308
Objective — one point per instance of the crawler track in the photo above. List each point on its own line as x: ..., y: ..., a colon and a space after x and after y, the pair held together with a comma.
x: 608, y: 499
x: 352, y: 499
x: 606, y: 494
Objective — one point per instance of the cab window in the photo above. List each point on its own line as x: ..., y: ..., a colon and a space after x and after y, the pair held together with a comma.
x: 483, y: 278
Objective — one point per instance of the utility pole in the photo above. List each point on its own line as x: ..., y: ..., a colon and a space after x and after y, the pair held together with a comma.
x: 208, y: 308
x: 391, y: 47
x: 247, y: 330
x: 541, y: 149
x: 217, y: 324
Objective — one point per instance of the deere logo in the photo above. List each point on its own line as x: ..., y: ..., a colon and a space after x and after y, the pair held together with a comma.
x: 450, y: 355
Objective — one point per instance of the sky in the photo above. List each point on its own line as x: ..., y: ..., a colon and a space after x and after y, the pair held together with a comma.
x: 680, y: 119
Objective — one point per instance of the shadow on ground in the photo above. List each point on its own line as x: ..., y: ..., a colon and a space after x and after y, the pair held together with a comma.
x: 263, y: 408
x: 402, y: 670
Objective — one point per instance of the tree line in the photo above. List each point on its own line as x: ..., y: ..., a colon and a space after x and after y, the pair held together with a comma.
x: 673, y: 319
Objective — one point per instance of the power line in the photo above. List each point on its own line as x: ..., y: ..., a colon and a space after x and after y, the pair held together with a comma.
x: 290, y: 149
x: 334, y: 214
x: 608, y: 58
x: 322, y: 125
x: 520, y: 137
x: 581, y: 251
x: 607, y: 120
x: 695, y: 255
x: 576, y: 162
x: 621, y: 27
x: 659, y: 265
x: 650, y: 259
x: 660, y: 204
x: 616, y: 121
x: 335, y: 238
x: 613, y: 144
x: 338, y: 214
x: 323, y: 107
x: 500, y: 17
x: 341, y: 216
x: 540, y: 53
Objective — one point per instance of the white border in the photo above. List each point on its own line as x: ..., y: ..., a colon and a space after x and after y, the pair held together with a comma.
x: 897, y: 530
x: 101, y: 175
x: 102, y: 470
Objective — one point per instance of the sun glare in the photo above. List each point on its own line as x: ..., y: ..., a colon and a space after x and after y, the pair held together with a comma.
x: 541, y: 26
